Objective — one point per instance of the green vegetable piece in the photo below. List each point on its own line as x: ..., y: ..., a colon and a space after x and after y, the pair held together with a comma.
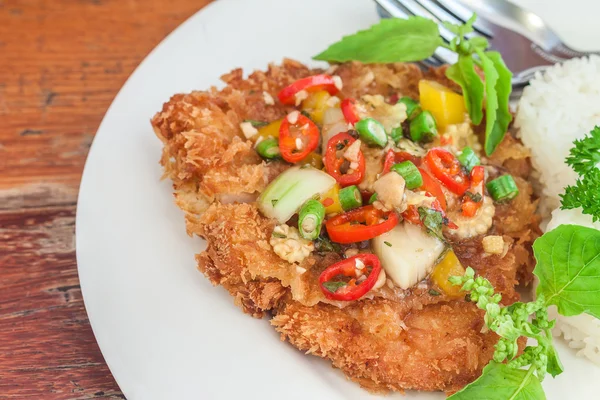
x: 371, y: 132
x: 462, y: 29
x: 503, y: 188
x: 468, y: 158
x: 350, y: 198
x: 410, y: 173
x: 333, y: 286
x: 310, y: 219
x: 585, y: 156
x: 568, y: 267
x: 500, y: 382
x: 397, y: 134
x: 423, y: 128
x: 433, y: 221
x: 496, y: 122
x: 257, y: 124
x: 412, y: 106
x: 268, y: 148
x: 584, y: 194
x: 464, y: 74
x: 391, y: 40
x: 373, y: 198
x: 519, y: 319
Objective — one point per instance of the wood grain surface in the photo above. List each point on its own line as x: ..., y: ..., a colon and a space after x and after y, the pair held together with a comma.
x: 61, y: 64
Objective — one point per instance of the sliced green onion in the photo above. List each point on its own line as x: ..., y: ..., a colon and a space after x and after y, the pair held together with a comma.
x: 423, y: 127
x: 310, y: 219
x: 468, y: 158
x: 412, y: 107
x: 397, y: 134
x: 286, y: 194
x: 371, y: 132
x: 410, y: 173
x: 503, y: 188
x: 373, y: 198
x: 268, y: 148
x: 350, y: 198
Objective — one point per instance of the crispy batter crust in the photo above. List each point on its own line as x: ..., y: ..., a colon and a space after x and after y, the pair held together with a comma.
x: 392, y: 340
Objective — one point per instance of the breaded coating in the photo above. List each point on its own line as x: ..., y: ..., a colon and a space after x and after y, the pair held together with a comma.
x: 383, y: 347
x: 389, y: 340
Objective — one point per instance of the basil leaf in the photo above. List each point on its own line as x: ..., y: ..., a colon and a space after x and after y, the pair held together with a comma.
x: 463, y: 29
x: 568, y: 267
x: 333, y: 286
x: 479, y: 42
x: 554, y: 366
x: 500, y: 382
x: 495, y: 134
x: 257, y: 124
x: 491, y: 108
x: 464, y: 74
x: 391, y: 40
x: 432, y: 220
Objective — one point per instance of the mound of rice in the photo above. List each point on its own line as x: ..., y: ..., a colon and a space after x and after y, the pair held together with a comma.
x: 559, y: 106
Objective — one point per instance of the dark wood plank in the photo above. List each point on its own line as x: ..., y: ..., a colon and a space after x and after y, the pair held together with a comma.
x: 61, y: 64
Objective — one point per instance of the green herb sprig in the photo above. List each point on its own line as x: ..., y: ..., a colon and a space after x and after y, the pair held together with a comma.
x: 584, y: 158
x: 568, y: 268
x: 417, y: 38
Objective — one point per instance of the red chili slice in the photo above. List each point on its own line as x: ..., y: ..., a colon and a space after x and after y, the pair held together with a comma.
x: 360, y: 224
x: 470, y: 206
x: 431, y: 185
x: 351, y: 290
x: 392, y: 157
x: 447, y: 169
x: 303, y: 129
x: 333, y: 163
x: 348, y: 107
x: 309, y: 84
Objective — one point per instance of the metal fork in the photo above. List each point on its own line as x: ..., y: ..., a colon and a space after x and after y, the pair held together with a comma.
x: 523, y: 56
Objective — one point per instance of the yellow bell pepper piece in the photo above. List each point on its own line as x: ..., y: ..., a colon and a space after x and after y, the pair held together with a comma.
x: 446, y: 106
x: 334, y: 195
x: 313, y: 159
x: 449, y: 266
x: 269, y: 131
x: 315, y: 105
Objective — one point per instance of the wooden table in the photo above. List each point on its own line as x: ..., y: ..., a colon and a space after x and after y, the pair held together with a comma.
x: 61, y: 64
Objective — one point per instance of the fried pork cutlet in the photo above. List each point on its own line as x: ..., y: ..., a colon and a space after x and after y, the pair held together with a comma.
x: 391, y: 339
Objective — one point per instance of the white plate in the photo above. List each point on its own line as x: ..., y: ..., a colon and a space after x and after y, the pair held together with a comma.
x: 165, y: 332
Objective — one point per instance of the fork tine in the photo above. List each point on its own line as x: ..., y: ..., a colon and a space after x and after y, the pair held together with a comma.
x: 394, y: 9
x: 461, y: 12
x: 437, y: 9
x: 413, y: 8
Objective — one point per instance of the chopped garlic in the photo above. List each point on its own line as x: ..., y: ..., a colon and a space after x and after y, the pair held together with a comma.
x: 479, y: 224
x: 493, y: 244
x: 337, y: 81
x: 293, y: 117
x: 381, y: 280
x: 375, y: 106
x: 248, y: 130
x: 352, y: 152
x: 390, y: 190
x: 300, y: 97
x: 332, y: 69
x: 418, y: 199
x: 350, y: 252
x: 359, y: 264
x: 288, y: 244
x: 332, y: 101
x: 268, y: 99
x: 300, y: 270
x: 462, y: 135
